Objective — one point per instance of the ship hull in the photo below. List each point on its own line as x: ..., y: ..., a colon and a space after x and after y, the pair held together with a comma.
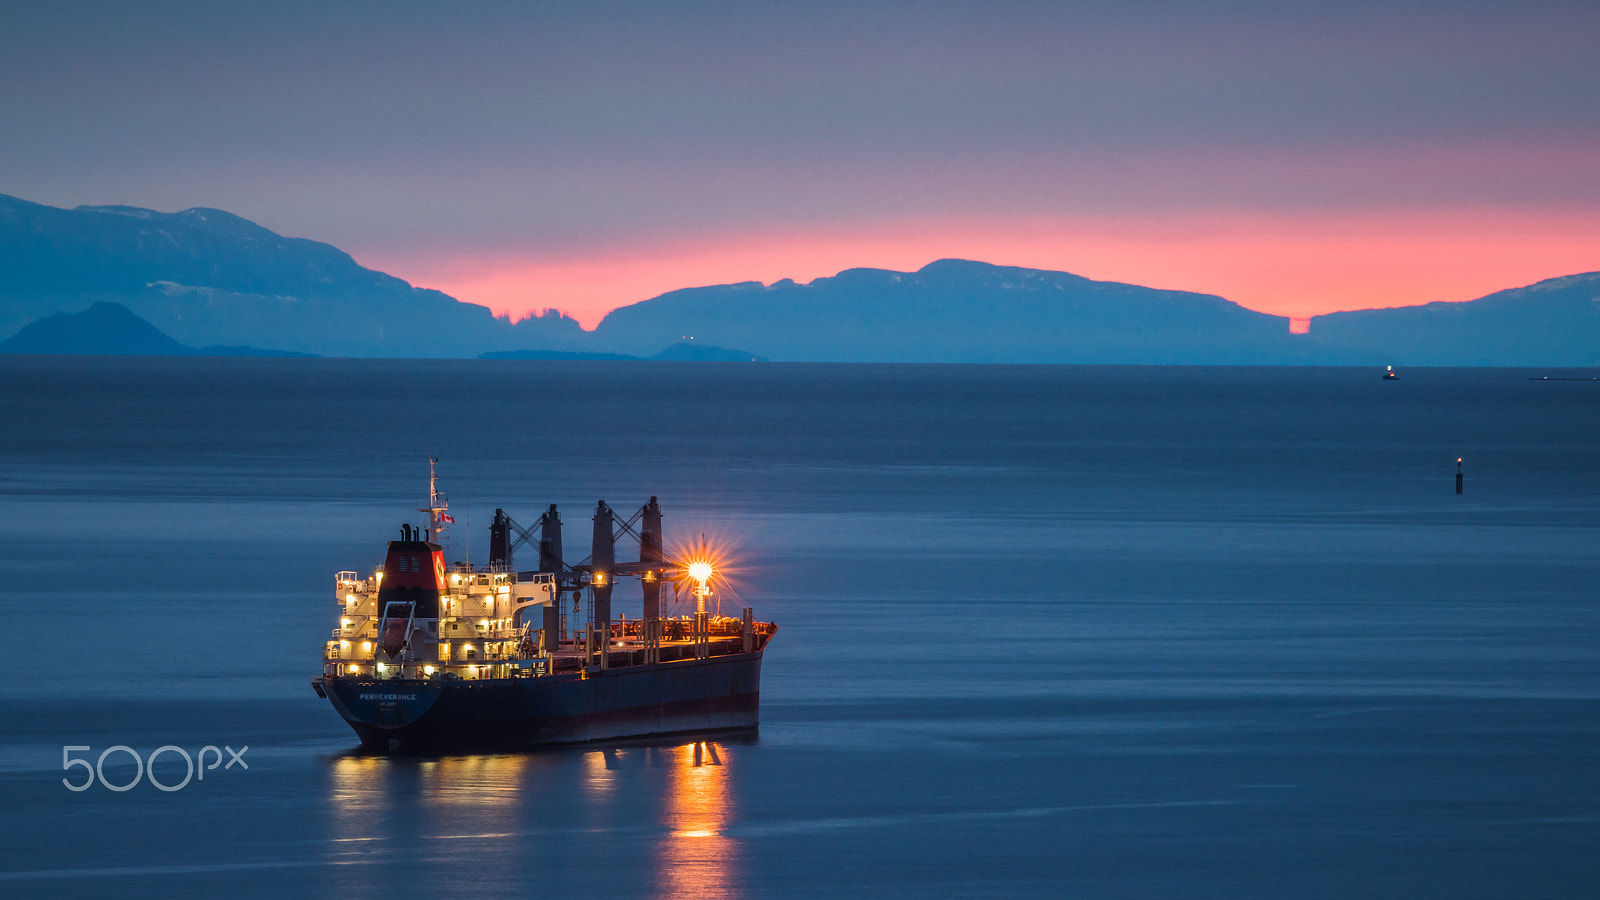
x: 394, y: 715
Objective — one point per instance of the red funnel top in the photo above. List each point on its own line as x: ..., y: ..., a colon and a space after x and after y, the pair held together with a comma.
x: 413, y: 572
x: 414, y: 564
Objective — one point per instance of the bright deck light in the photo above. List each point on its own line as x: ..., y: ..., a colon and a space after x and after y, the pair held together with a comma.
x: 700, y: 571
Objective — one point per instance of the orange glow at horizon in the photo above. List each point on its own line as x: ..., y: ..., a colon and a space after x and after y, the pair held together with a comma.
x: 1289, y: 266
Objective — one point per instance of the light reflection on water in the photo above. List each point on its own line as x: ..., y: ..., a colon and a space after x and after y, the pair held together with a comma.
x: 599, y: 773
x: 696, y: 858
x: 660, y: 811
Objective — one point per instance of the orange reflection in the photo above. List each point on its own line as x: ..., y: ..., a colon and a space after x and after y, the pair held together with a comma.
x: 599, y: 773
x: 471, y: 783
x: 360, y: 796
x: 697, y: 858
x: 443, y: 798
x: 357, y: 795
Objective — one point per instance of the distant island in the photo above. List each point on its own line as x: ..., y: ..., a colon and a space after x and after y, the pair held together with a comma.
x: 207, y: 281
x: 683, y: 351
x: 111, y: 329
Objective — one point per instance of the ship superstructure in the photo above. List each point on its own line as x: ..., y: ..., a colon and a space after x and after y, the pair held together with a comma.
x: 434, y: 655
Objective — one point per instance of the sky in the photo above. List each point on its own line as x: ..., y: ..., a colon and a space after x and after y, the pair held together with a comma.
x: 1297, y: 158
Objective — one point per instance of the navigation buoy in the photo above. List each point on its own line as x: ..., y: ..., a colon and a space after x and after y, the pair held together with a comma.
x: 1458, y: 474
x: 1388, y: 373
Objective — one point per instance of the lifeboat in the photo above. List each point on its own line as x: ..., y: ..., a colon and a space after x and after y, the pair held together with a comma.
x: 394, y: 638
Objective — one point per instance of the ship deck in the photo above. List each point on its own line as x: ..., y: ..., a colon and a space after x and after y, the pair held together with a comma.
x: 571, y: 656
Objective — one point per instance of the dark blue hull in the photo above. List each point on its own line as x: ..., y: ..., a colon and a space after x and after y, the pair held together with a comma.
x: 506, y: 713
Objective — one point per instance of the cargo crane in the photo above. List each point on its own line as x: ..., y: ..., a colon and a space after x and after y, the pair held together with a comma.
x: 598, y: 573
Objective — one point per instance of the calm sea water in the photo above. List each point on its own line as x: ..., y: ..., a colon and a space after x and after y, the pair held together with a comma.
x: 1045, y: 631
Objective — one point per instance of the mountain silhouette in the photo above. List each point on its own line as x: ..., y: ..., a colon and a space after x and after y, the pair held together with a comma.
x: 207, y: 278
x: 962, y: 311
x: 1552, y: 323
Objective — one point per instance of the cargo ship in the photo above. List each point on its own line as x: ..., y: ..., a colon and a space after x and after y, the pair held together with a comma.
x: 432, y: 656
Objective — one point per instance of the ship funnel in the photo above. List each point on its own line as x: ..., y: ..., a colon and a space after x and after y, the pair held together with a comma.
x: 602, y: 562
x: 650, y: 553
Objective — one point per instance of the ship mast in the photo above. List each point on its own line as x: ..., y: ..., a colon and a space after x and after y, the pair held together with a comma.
x: 438, y: 506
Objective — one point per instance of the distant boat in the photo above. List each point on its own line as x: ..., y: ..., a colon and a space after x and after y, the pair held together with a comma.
x: 1388, y: 373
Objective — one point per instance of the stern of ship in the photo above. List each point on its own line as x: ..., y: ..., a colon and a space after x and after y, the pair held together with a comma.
x: 379, y: 710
